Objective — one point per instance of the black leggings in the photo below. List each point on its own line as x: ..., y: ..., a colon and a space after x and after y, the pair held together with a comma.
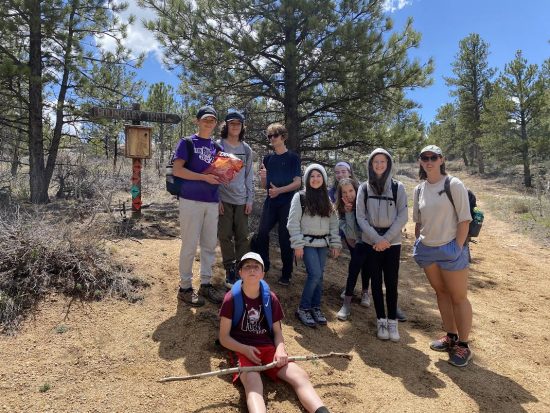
x: 386, y: 263
x: 357, y: 263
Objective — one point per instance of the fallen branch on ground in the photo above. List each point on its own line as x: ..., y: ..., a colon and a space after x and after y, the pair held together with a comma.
x: 253, y: 368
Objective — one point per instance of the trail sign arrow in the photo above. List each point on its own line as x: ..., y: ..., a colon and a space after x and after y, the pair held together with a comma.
x: 134, y: 115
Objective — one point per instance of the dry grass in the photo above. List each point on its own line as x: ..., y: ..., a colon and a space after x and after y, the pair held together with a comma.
x: 39, y: 256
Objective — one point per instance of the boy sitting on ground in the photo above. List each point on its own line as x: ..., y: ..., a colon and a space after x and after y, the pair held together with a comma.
x: 257, y: 338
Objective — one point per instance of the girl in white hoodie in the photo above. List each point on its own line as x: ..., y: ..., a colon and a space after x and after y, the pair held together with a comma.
x: 313, y: 228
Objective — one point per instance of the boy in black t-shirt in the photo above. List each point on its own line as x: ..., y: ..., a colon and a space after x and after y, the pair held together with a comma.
x: 281, y: 175
x: 257, y: 342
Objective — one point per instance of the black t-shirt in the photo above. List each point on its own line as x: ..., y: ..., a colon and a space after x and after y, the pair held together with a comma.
x: 281, y: 171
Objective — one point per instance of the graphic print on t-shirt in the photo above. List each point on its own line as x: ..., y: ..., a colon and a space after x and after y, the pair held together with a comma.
x: 252, y: 319
x: 205, y: 154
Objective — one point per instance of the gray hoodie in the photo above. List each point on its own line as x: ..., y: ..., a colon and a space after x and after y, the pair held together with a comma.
x: 381, y: 213
x: 302, y: 224
x: 240, y: 190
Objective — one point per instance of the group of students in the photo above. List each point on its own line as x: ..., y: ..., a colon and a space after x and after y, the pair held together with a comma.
x: 313, y: 223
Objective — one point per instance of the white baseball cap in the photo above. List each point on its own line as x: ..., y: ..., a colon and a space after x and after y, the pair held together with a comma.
x: 250, y: 256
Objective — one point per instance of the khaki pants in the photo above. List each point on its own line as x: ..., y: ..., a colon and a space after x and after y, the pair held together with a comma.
x: 198, y: 225
x: 233, y: 233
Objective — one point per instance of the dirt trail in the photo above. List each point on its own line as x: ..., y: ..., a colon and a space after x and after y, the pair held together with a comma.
x: 113, y: 352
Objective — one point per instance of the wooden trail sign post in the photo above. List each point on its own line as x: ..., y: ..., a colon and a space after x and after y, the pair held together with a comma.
x: 138, y: 141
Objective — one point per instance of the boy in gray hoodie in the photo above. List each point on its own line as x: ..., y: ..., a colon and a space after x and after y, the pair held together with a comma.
x: 236, y: 197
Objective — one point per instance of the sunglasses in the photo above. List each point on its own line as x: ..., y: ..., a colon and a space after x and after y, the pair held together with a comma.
x: 274, y: 135
x: 425, y: 158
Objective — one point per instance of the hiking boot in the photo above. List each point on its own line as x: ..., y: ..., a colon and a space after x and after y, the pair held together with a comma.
x: 344, y: 312
x: 318, y: 316
x: 284, y: 281
x: 393, y: 331
x: 211, y: 293
x: 230, y: 277
x: 191, y: 297
x: 305, y: 317
x: 400, y: 315
x: 382, y: 333
x: 444, y: 343
x: 460, y: 356
x: 365, y: 299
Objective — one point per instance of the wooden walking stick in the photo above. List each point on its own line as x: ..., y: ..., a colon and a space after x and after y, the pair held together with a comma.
x: 252, y: 368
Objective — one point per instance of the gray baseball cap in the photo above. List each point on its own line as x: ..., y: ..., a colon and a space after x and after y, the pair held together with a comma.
x: 432, y: 148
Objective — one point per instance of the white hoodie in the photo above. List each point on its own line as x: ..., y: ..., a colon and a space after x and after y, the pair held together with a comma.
x: 300, y: 224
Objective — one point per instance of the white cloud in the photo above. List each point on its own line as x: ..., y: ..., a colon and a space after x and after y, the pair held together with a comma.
x: 139, y: 39
x: 394, y: 5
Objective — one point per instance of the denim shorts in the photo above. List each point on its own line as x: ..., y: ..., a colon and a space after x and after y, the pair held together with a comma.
x: 449, y: 257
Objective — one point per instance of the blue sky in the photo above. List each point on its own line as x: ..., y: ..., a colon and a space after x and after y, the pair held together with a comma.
x: 507, y: 25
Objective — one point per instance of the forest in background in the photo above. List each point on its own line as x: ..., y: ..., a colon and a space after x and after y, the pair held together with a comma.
x: 335, y: 73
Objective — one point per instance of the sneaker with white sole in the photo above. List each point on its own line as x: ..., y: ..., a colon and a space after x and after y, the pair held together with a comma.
x: 305, y: 317
x: 365, y: 299
x: 393, y: 331
x: 445, y: 343
x: 344, y: 312
x: 400, y: 315
x: 460, y: 356
x: 318, y: 316
x: 382, y: 333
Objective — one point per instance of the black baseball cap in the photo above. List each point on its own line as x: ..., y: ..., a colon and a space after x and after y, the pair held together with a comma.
x: 206, y: 112
x: 235, y: 115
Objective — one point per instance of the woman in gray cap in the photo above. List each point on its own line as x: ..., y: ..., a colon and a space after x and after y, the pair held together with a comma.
x: 441, y: 231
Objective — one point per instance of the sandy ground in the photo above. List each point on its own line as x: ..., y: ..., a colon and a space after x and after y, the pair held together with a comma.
x: 112, y: 352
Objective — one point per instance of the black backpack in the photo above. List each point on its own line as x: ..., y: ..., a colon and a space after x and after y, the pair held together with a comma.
x: 173, y: 183
x: 475, y: 225
x: 394, y: 187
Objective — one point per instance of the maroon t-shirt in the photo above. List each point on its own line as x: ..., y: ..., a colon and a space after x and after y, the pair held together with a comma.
x: 252, y: 328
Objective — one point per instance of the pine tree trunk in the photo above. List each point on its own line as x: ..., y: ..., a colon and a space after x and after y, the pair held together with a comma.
x: 292, y: 121
x: 465, y: 159
x: 525, y: 154
x: 37, y: 176
x: 60, y: 108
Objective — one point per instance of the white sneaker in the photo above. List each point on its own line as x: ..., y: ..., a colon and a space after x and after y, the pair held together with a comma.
x: 393, y: 330
x: 365, y: 299
x: 343, y: 295
x: 344, y: 312
x: 382, y: 333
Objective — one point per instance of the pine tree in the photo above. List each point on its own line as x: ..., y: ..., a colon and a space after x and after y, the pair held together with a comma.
x: 315, y: 64
x: 472, y: 86
x: 54, y: 61
x: 515, y: 110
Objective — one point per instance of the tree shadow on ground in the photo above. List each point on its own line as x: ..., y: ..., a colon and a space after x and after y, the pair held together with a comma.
x: 190, y: 334
x: 486, y: 385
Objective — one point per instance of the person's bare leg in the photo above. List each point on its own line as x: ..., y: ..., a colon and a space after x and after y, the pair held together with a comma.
x: 456, y: 283
x: 254, y: 390
x: 299, y: 380
x: 444, y: 301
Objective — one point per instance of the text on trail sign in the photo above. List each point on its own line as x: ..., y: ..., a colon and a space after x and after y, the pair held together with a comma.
x: 134, y: 115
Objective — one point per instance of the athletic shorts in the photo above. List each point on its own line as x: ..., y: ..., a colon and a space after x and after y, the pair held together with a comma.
x: 267, y: 353
x: 449, y: 257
